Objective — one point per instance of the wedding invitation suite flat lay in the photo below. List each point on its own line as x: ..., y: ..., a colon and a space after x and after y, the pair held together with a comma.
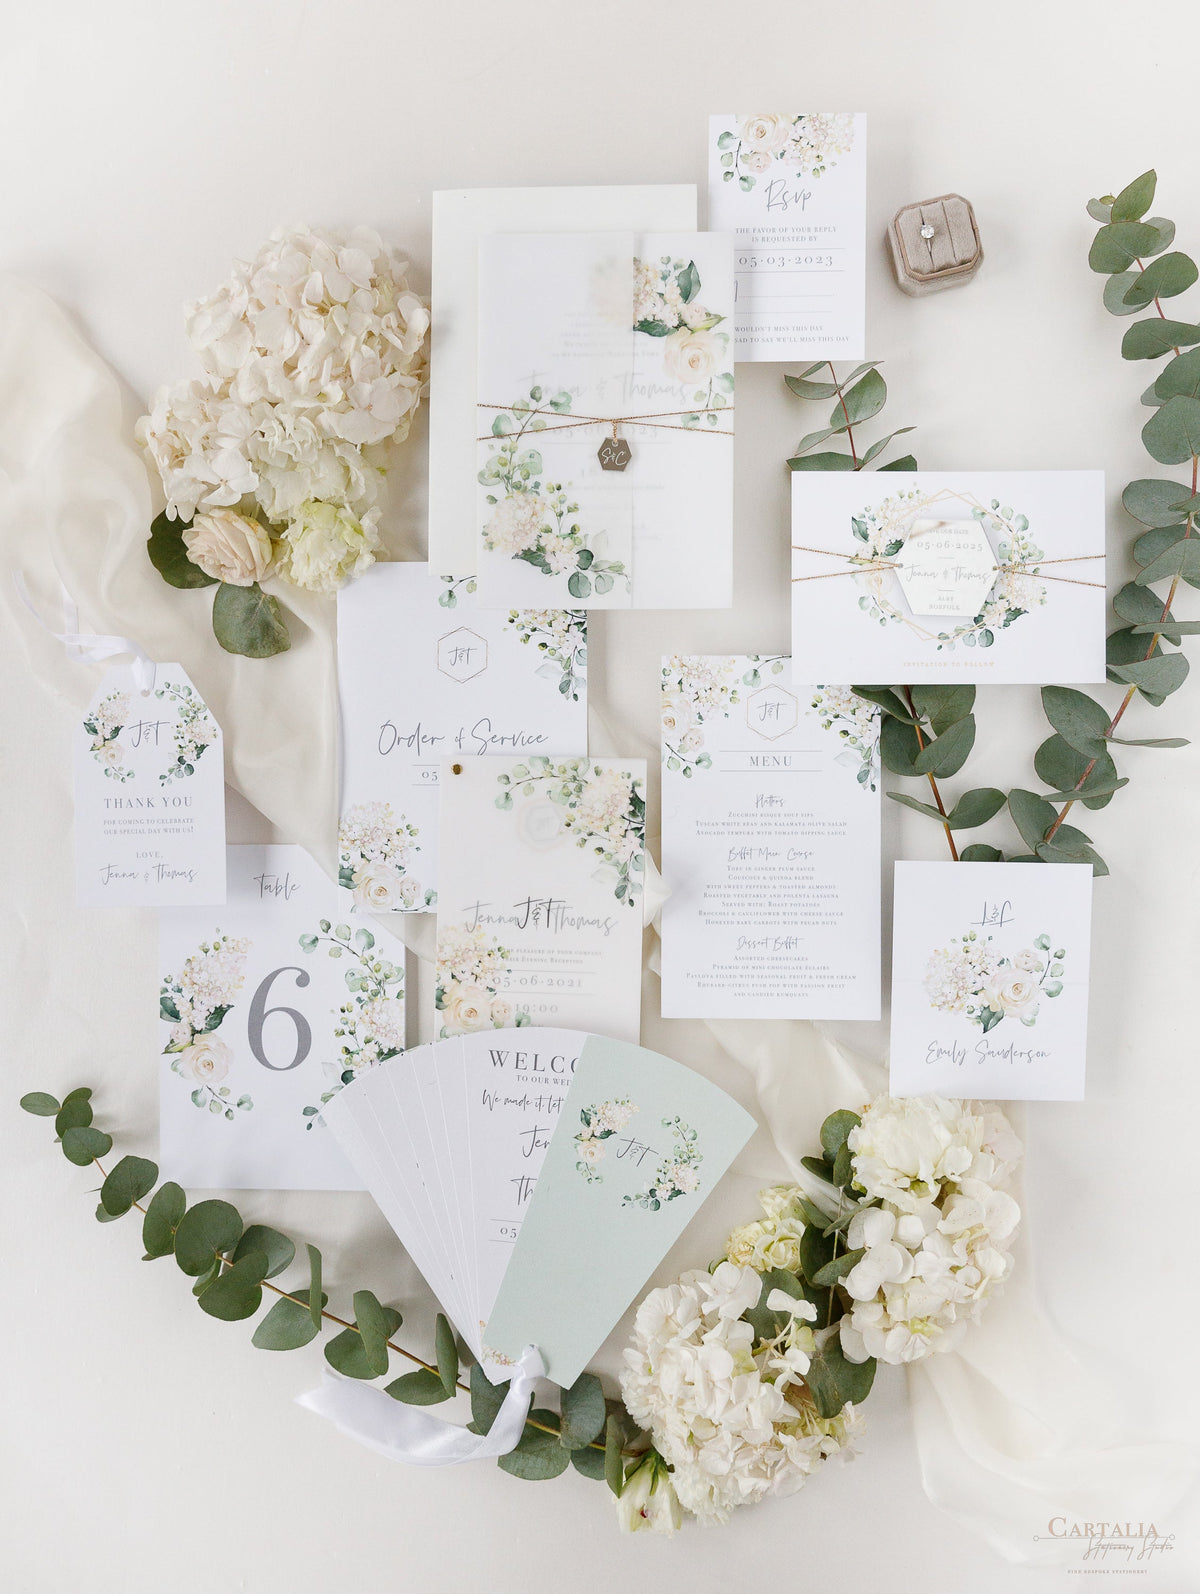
x: 792, y: 186
x: 461, y: 219
x: 605, y: 420
x: 990, y: 980
x: 268, y: 1006
x: 949, y: 576
x: 490, y: 1154
x: 542, y: 863
x: 149, y: 770
x: 424, y: 673
x: 770, y: 844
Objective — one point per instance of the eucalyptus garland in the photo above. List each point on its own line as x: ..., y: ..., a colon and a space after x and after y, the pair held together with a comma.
x: 928, y: 732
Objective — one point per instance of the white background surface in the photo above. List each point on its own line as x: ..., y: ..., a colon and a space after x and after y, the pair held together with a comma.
x: 144, y: 1447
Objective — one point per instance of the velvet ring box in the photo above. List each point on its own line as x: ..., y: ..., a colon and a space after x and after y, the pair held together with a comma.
x: 934, y: 244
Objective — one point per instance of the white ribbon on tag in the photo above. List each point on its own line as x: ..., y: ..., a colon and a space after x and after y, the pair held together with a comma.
x: 409, y: 1434
x: 86, y: 647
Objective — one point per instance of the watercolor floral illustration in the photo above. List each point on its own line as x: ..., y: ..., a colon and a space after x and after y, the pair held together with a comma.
x: 601, y: 809
x: 676, y: 1174
x: 696, y: 355
x: 884, y: 528
x: 700, y: 688
x: 471, y: 974
x: 559, y: 634
x: 533, y: 518
x: 369, y: 1026
x: 374, y: 852
x: 104, y: 725
x: 596, y: 1125
x: 195, y: 1004
x: 194, y: 731
x: 807, y: 145
x: 973, y: 978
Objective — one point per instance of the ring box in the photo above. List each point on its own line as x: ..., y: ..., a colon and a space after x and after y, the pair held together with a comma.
x: 934, y: 244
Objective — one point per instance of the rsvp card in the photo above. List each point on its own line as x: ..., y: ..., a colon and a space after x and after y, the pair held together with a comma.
x: 605, y: 420
x: 792, y: 186
x: 540, y: 909
x: 990, y: 980
x: 948, y: 576
x: 269, y: 1007
x: 423, y: 674
x: 770, y: 843
x: 149, y: 769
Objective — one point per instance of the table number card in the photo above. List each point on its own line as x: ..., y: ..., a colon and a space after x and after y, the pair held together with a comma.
x: 770, y: 844
x: 990, y: 980
x: 269, y: 1007
x: 792, y: 186
x: 539, y: 915
x: 605, y: 420
x: 424, y: 673
x: 149, y: 794
x: 948, y: 576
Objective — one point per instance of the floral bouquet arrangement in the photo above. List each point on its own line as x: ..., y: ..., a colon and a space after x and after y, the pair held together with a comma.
x: 272, y: 462
x: 748, y: 1376
x: 972, y: 977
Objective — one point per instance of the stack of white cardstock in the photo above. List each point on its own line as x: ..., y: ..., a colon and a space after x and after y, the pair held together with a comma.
x: 268, y: 1005
x: 605, y: 420
x: 491, y: 1155
x: 425, y: 673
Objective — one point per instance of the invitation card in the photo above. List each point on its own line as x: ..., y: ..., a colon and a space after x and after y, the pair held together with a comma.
x: 269, y: 1007
x: 149, y: 771
x: 948, y: 576
x: 424, y: 674
x: 770, y: 843
x: 990, y: 980
x: 792, y: 186
x: 491, y: 1154
x: 461, y: 218
x: 605, y: 420
x: 643, y: 1142
x: 542, y: 863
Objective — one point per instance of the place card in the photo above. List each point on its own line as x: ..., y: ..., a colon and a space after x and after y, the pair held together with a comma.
x: 951, y: 576
x: 149, y: 794
x: 770, y: 843
x: 269, y: 1007
x: 990, y: 980
x: 425, y: 673
x: 461, y: 219
x: 792, y: 187
x: 542, y: 864
x: 605, y: 420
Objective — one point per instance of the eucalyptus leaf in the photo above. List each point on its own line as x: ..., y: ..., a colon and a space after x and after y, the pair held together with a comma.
x: 347, y: 1352
x: 886, y: 699
x: 75, y: 1112
x: 208, y: 1228
x: 1154, y: 500
x: 976, y: 808
x: 836, y: 1130
x: 947, y: 753
x: 289, y: 1324
x: 1114, y: 293
x: 1154, y: 337
x: 314, y: 1284
x: 929, y: 811
x: 980, y: 852
x: 1135, y: 199
x: 1160, y: 676
x: 1119, y: 243
x: 614, y: 1471
x: 445, y: 1353
x: 1078, y: 718
x: 40, y: 1104
x: 899, y: 747
x: 1031, y: 814
x: 834, y: 1381
x: 277, y: 1248
x: 249, y: 621
x: 590, y: 1460
x: 943, y: 706
x: 865, y: 399
x: 829, y: 461
x: 374, y: 1327
x: 538, y: 1456
x: 486, y: 1399
x: 166, y: 1208
x: 905, y: 462
x: 1162, y: 279
x: 1180, y: 375
x: 236, y: 1293
x: 1180, y: 558
x: 583, y: 1412
x: 129, y: 1181
x: 833, y: 1272
x: 169, y: 555
x: 420, y: 1388
x: 83, y: 1144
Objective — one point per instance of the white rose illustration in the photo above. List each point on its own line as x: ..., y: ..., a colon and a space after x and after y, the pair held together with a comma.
x: 206, y: 1060
x: 112, y: 755
x: 677, y: 715
x: 768, y: 131
x: 378, y: 887
x: 591, y: 1151
x: 1028, y: 960
x: 693, y: 357
x: 1011, y: 991
x: 756, y: 160
x: 228, y: 546
x: 468, y: 1009
x: 502, y: 1012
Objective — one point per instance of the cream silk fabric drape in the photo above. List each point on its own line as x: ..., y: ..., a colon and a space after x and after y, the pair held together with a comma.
x: 1010, y: 1431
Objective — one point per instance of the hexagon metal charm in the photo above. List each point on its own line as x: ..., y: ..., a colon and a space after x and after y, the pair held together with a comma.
x: 772, y: 712
x: 614, y: 453
x: 462, y: 654
x: 946, y: 567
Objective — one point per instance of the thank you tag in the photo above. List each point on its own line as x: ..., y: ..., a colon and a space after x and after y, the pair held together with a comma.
x: 149, y: 793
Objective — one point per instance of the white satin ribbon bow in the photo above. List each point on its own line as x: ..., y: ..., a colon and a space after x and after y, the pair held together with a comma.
x: 85, y: 647
x: 412, y: 1435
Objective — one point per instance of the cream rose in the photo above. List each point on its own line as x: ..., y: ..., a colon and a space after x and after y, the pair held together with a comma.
x: 229, y: 547
x: 1012, y: 992
x: 502, y: 1012
x: 768, y: 131
x: 677, y: 715
x: 111, y: 754
x: 590, y: 1151
x: 469, y: 1008
x: 378, y: 887
x: 756, y: 160
x: 206, y: 1060
x: 1029, y: 961
x: 693, y: 357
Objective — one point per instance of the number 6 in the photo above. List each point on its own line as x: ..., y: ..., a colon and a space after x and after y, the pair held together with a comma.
x: 259, y: 1014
